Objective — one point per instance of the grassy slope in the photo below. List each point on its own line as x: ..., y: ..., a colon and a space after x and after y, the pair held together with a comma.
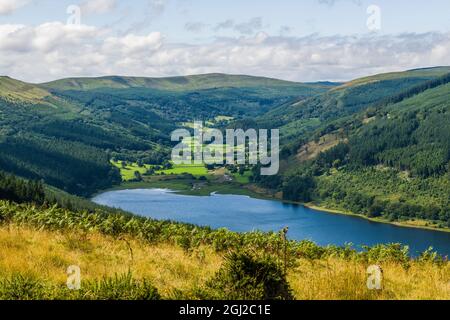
x: 45, y: 256
x: 430, y: 99
x: 13, y: 90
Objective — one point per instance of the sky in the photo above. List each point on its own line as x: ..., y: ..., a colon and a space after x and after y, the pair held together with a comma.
x: 299, y: 40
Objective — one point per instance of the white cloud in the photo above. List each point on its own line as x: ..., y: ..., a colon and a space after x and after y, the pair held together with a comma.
x: 133, y: 45
x: 98, y: 6
x: 55, y: 50
x: 9, y: 6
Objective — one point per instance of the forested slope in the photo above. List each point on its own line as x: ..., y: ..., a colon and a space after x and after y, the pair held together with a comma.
x: 304, y: 116
x: 391, y: 160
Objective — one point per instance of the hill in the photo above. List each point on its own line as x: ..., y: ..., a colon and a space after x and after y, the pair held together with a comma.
x: 305, y: 115
x: 390, y: 161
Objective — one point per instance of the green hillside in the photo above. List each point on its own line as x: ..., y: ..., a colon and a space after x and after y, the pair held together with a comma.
x: 181, y: 99
x: 66, y: 143
x: 15, y: 90
x: 389, y: 161
x: 304, y: 115
x: 378, y: 146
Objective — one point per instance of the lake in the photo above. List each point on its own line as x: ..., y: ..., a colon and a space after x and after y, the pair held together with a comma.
x: 241, y: 214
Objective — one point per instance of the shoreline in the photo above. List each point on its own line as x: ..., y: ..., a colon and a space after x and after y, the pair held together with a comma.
x: 259, y: 193
x: 377, y: 220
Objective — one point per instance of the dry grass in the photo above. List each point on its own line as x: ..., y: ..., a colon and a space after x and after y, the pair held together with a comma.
x: 337, y: 279
x: 46, y: 255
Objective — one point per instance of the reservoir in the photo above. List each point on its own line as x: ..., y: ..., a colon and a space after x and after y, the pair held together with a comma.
x: 242, y: 214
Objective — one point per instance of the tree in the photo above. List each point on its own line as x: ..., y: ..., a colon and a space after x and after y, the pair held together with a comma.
x: 298, y: 188
x: 137, y: 176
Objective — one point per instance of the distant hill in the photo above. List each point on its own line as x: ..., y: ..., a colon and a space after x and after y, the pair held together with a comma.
x: 186, y: 83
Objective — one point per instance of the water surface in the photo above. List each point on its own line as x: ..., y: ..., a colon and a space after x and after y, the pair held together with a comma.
x: 241, y: 214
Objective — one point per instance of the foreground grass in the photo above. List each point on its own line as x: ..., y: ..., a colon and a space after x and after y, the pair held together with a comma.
x: 123, y: 256
x: 45, y: 256
x: 176, y: 273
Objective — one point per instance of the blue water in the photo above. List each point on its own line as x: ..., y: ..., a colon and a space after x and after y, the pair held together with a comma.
x: 241, y: 213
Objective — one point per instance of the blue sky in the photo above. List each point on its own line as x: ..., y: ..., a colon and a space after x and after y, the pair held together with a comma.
x: 291, y: 39
x: 326, y: 17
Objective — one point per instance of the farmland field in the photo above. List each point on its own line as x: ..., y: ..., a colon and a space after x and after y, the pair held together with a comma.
x: 194, y: 169
x: 128, y: 172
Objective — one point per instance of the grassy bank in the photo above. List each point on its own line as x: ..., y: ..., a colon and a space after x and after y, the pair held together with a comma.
x: 44, y: 256
x: 418, y: 224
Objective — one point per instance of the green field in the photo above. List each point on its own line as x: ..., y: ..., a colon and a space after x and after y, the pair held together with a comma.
x: 127, y: 172
x: 194, y: 169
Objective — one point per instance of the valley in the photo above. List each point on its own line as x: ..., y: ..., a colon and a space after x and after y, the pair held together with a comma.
x: 376, y: 148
